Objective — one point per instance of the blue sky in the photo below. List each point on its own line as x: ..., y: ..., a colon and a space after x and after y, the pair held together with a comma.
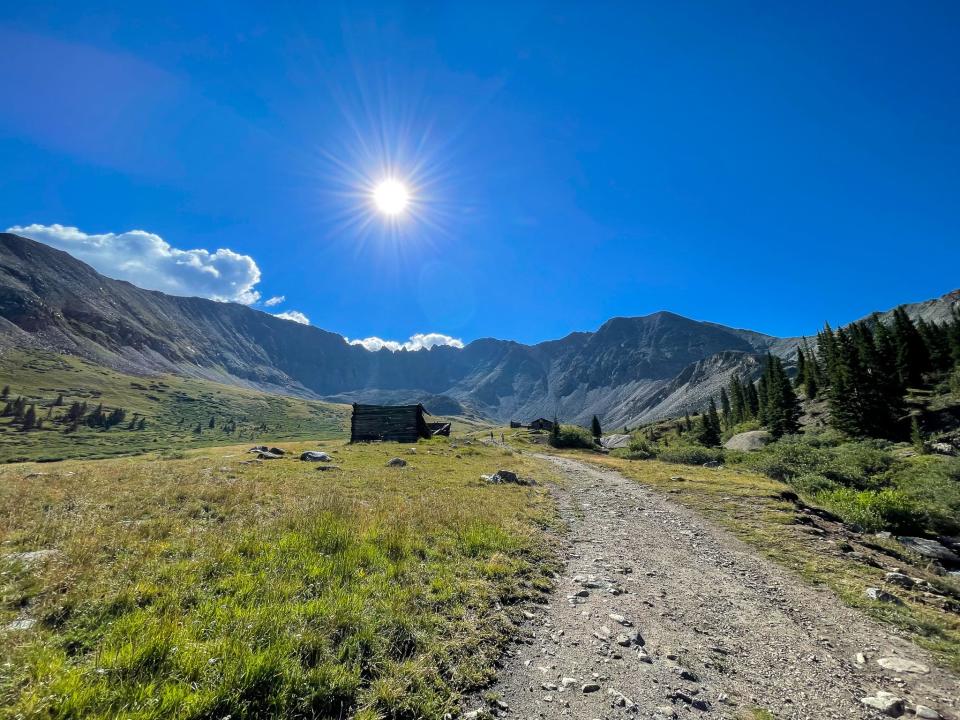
x: 761, y: 165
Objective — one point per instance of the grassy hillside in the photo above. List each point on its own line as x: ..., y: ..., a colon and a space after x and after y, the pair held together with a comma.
x: 176, y: 412
x: 212, y: 586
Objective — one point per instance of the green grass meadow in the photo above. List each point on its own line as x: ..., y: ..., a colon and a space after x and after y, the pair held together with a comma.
x: 172, y: 408
x: 199, y: 586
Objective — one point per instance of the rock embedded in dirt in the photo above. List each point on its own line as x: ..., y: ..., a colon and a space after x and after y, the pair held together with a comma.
x: 590, y: 687
x: 897, y: 578
x: 930, y: 549
x: 506, y: 477
x: 20, y: 625
x: 885, y: 702
x: 396, y: 462
x: 902, y: 665
x: 927, y: 713
x: 882, y: 596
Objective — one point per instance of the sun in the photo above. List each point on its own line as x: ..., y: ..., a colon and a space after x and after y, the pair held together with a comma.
x: 391, y: 197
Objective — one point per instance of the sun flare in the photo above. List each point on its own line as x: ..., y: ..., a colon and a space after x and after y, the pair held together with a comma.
x: 391, y: 197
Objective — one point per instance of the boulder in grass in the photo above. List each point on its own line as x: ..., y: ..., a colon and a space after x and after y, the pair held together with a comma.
x: 315, y: 456
x: 396, y: 462
x: 930, y: 549
x: 268, y: 455
x: 502, y: 477
x: 259, y: 449
x: 278, y: 451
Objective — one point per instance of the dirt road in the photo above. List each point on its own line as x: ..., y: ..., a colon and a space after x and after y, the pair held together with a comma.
x: 661, y: 614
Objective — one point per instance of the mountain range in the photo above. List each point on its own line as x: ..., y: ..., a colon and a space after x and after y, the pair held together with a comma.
x: 628, y: 371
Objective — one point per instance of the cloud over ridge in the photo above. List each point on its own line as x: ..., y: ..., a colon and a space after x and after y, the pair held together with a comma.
x: 147, y: 260
x: 418, y: 341
x: 294, y: 315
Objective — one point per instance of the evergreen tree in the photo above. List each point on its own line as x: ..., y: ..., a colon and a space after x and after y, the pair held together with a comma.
x: 59, y: 401
x: 865, y: 398
x: 801, y: 367
x: 725, y: 408
x: 198, y: 429
x: 912, y: 359
x: 708, y: 429
x: 5, y: 393
x: 213, y: 422
x: 688, y: 423
x: 7, y: 410
x: 738, y: 402
x: 936, y: 339
x: 30, y: 418
x: 141, y: 424
x: 753, y: 400
x: 779, y: 408
x: 595, y: 427
x: 555, y: 432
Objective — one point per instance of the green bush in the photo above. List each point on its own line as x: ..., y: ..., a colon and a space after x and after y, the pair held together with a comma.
x: 691, y: 454
x: 641, y: 448
x: 875, y: 510
x: 932, y: 483
x: 788, y: 459
x: 572, y: 436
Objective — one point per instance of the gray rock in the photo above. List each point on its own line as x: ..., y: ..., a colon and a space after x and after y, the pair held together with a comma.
x: 315, y: 456
x: 901, y: 665
x: 611, y: 442
x: 887, y: 703
x: 896, y: 578
x: 882, y: 596
x: 943, y: 449
x: 33, y: 557
x: 928, y: 713
x: 930, y: 549
x: 590, y: 687
x: 397, y: 462
x: 753, y: 440
x: 617, y: 618
x: 21, y: 625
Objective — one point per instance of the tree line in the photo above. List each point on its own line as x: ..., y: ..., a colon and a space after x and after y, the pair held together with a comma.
x: 864, y: 372
x: 27, y: 417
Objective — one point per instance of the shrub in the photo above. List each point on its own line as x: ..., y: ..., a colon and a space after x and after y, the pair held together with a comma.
x: 691, y: 454
x: 933, y: 484
x: 571, y: 436
x: 787, y: 459
x: 875, y: 510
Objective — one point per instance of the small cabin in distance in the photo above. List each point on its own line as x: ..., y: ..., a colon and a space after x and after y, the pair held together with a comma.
x: 542, y: 424
x: 393, y: 423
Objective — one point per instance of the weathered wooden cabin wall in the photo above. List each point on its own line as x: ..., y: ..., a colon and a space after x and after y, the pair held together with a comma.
x: 392, y: 423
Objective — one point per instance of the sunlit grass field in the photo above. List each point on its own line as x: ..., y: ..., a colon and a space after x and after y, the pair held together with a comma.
x: 198, y: 586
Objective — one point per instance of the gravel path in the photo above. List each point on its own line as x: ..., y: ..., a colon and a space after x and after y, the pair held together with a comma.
x: 661, y: 614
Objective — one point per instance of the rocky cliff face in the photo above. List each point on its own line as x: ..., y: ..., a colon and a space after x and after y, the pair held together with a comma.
x: 628, y: 371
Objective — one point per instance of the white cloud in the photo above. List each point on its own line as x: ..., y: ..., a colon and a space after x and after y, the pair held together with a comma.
x: 294, y: 315
x: 147, y: 260
x: 275, y: 300
x: 419, y: 341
